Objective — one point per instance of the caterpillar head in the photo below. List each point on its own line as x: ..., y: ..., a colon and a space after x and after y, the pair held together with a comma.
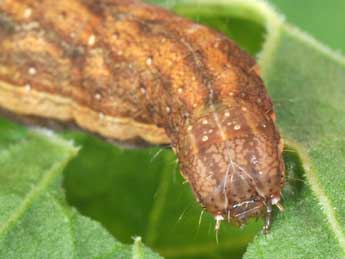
x: 234, y: 163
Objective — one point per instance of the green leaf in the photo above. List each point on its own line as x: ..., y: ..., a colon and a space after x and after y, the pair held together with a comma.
x: 35, y: 221
x: 141, y: 192
x: 305, y: 79
x: 308, y: 14
x: 137, y: 192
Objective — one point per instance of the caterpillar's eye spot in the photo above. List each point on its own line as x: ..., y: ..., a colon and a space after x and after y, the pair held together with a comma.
x: 27, y: 87
x: 98, y: 96
x: 27, y: 13
x: 264, y: 125
x: 149, y: 61
x: 204, y: 121
x: 168, y: 109
x: 92, y: 40
x: 32, y: 71
x: 204, y: 138
x: 237, y: 127
x: 227, y: 114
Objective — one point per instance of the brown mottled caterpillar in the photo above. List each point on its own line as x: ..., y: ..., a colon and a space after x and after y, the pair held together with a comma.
x: 126, y: 71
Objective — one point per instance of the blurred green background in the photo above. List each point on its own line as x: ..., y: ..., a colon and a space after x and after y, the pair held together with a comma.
x: 325, y: 20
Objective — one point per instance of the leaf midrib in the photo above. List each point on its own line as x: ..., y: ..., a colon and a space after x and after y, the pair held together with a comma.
x: 35, y: 192
x: 264, y: 60
x: 321, y: 196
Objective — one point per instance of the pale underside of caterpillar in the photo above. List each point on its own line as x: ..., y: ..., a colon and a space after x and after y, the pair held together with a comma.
x: 126, y: 71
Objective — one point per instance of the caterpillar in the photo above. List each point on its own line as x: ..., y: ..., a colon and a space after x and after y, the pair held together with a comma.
x: 132, y: 72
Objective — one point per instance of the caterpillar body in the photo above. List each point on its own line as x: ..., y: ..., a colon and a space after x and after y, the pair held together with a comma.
x: 126, y: 70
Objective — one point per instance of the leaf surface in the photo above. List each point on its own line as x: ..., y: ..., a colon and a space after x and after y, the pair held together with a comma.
x: 306, y: 82
x: 140, y: 192
x: 35, y: 221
